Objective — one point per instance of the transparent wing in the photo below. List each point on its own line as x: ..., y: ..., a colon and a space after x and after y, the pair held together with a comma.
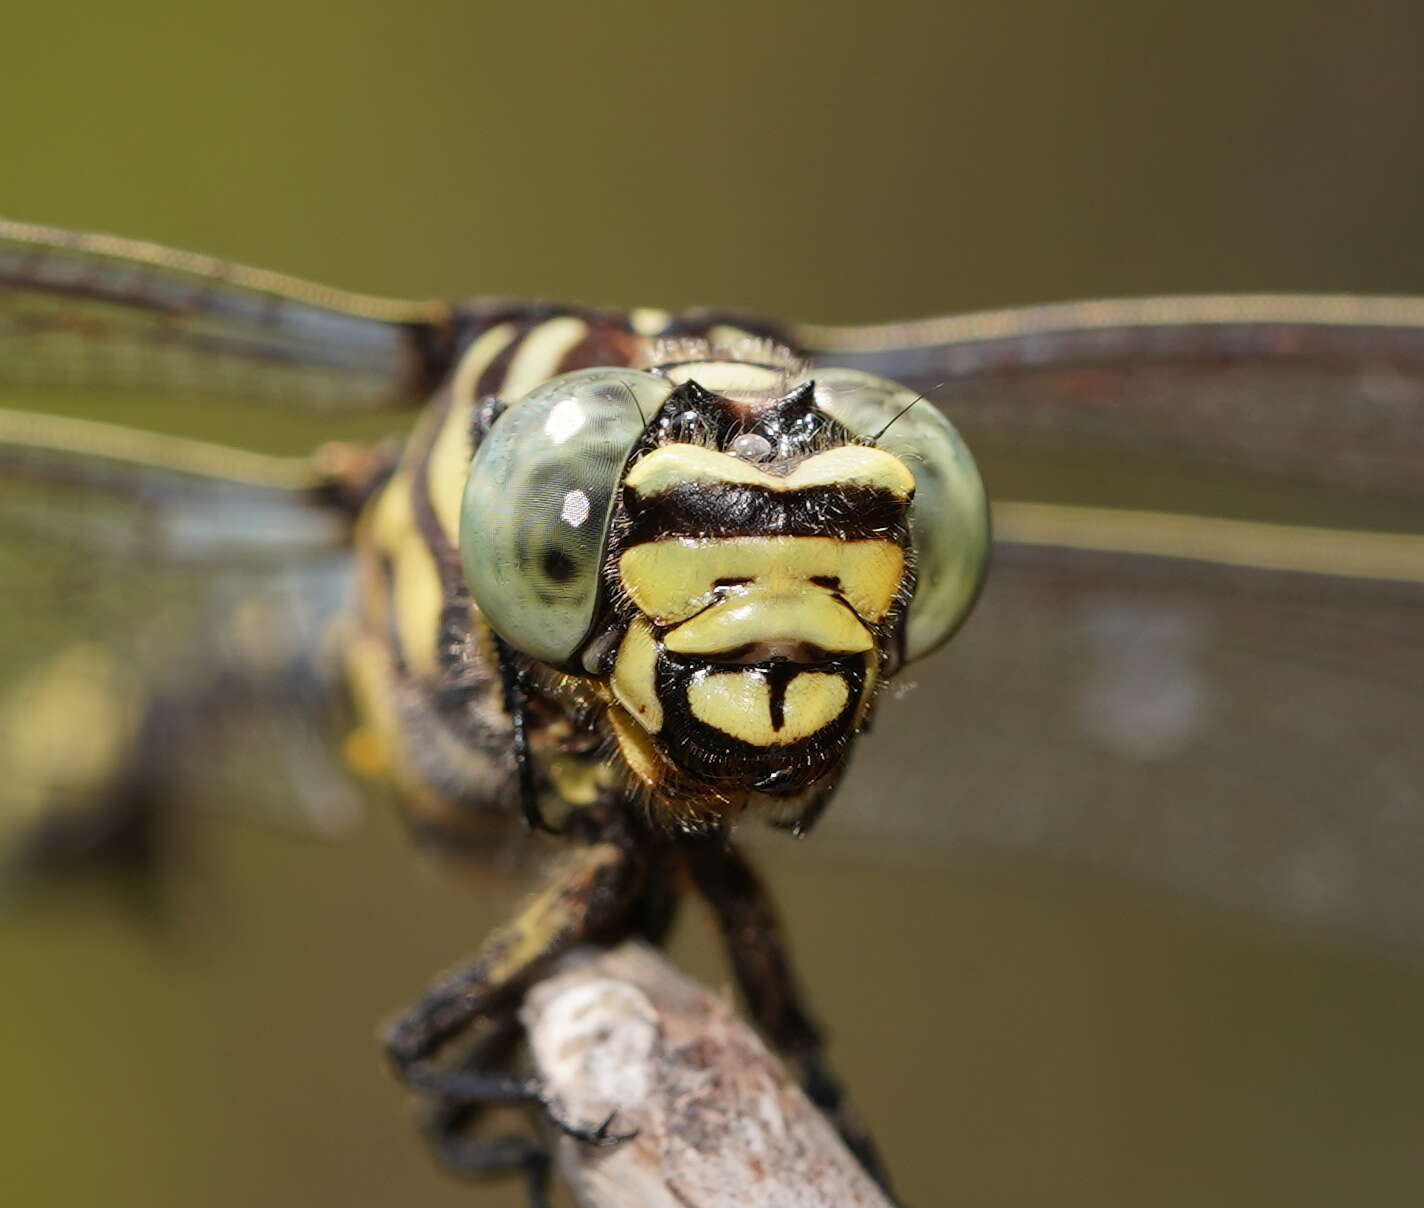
x: 95, y: 313
x: 161, y: 621
x: 114, y: 492
x: 1199, y: 662
x: 1241, y: 405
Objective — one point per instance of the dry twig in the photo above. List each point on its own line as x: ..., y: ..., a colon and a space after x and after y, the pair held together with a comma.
x: 717, y: 1120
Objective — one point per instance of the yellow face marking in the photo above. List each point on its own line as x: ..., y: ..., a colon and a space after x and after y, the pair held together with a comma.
x: 633, y: 676
x: 849, y: 465
x: 867, y: 693
x: 677, y: 578
x: 636, y: 747
x: 754, y: 614
x: 739, y: 704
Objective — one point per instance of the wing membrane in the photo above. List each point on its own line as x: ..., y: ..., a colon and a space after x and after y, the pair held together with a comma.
x: 94, y: 312
x: 1199, y: 661
x: 115, y: 493
x: 1239, y: 738
x: 164, y: 614
x: 1299, y: 409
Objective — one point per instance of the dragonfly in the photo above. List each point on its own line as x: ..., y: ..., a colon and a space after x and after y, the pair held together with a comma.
x: 633, y: 576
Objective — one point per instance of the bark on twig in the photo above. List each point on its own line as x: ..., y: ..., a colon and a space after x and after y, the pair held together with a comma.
x: 718, y: 1122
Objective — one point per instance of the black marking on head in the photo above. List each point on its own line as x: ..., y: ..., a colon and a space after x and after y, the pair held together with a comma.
x: 745, y: 510
x: 793, y: 426
x: 778, y: 676
x: 715, y: 757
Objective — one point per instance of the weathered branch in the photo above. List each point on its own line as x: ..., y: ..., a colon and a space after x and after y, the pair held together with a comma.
x: 718, y: 1122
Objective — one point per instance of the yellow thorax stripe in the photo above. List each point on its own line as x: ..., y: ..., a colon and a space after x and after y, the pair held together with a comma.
x: 848, y: 465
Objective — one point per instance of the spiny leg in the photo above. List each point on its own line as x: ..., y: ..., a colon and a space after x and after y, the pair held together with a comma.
x: 655, y: 911
x: 516, y: 704
x: 448, y: 1125
x: 760, y: 959
x: 590, y: 899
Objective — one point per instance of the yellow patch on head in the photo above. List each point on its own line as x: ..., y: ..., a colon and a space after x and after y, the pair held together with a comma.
x: 757, y: 614
x: 738, y: 703
x: 633, y: 680
x: 675, y: 579
x: 846, y: 466
x: 636, y: 747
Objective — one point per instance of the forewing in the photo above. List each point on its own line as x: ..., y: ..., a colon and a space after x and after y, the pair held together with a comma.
x: 99, y: 314
x: 1245, y: 405
x: 1199, y: 661
x: 160, y: 613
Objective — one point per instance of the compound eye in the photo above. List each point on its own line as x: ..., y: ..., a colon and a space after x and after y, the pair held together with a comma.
x: 537, y: 505
x: 949, y: 516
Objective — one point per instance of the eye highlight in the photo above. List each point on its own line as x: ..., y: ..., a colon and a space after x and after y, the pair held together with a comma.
x: 949, y: 515
x: 538, y: 500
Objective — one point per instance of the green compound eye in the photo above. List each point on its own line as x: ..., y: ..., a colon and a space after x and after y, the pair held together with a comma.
x: 534, y: 522
x: 949, y: 517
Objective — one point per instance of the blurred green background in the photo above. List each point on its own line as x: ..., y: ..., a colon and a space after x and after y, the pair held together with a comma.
x: 1016, y: 1035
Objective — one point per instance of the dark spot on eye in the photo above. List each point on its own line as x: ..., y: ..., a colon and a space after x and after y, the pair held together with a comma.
x: 558, y: 566
x: 829, y: 582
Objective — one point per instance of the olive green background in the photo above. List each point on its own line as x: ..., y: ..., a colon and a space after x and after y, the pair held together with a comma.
x: 1016, y: 1035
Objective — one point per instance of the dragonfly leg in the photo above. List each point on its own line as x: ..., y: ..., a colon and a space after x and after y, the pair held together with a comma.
x: 448, y: 1125
x: 760, y: 959
x: 516, y: 703
x: 590, y: 900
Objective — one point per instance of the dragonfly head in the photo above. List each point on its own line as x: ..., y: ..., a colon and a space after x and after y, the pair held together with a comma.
x: 739, y: 554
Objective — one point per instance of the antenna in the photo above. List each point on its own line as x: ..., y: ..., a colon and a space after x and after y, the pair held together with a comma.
x: 633, y: 398
x: 919, y: 398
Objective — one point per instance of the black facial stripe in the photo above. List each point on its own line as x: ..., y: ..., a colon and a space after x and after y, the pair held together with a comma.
x: 737, y: 510
x: 714, y: 755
